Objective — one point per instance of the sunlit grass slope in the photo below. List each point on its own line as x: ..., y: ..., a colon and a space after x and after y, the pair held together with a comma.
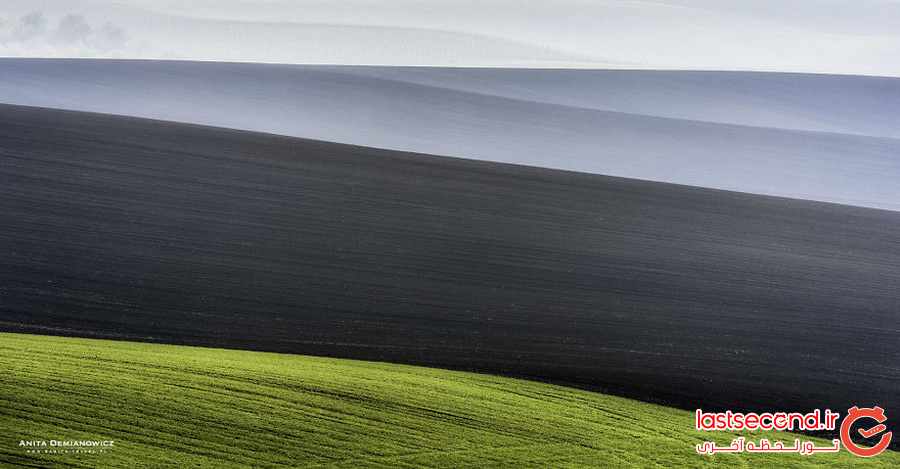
x: 169, y: 406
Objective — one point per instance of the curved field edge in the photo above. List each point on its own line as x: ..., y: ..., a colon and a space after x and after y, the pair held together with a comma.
x: 176, y: 406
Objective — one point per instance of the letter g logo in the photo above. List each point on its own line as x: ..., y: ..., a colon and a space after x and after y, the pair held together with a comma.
x: 875, y: 413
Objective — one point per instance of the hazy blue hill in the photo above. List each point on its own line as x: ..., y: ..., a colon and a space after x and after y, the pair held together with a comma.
x: 736, y: 131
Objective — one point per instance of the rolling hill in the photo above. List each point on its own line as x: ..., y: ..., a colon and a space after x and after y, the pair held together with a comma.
x: 817, y: 137
x: 169, y: 406
x: 143, y: 230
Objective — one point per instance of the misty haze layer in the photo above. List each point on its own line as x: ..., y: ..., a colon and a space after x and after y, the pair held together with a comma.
x: 826, y: 138
x: 823, y: 36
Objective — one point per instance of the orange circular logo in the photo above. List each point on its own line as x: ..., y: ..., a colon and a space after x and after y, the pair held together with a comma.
x: 875, y: 413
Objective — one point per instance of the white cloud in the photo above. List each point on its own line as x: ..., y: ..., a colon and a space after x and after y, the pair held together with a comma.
x: 72, y: 35
x: 110, y: 37
x: 31, y: 26
x: 73, y: 29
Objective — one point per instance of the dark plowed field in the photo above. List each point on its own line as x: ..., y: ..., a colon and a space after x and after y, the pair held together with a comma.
x: 142, y: 230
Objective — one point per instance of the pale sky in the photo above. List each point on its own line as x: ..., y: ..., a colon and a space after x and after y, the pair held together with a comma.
x: 827, y: 36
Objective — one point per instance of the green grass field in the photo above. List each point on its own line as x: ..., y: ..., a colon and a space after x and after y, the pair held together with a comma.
x: 169, y: 406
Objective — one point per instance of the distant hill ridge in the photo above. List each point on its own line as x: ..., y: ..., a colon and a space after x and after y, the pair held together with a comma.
x: 819, y: 137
